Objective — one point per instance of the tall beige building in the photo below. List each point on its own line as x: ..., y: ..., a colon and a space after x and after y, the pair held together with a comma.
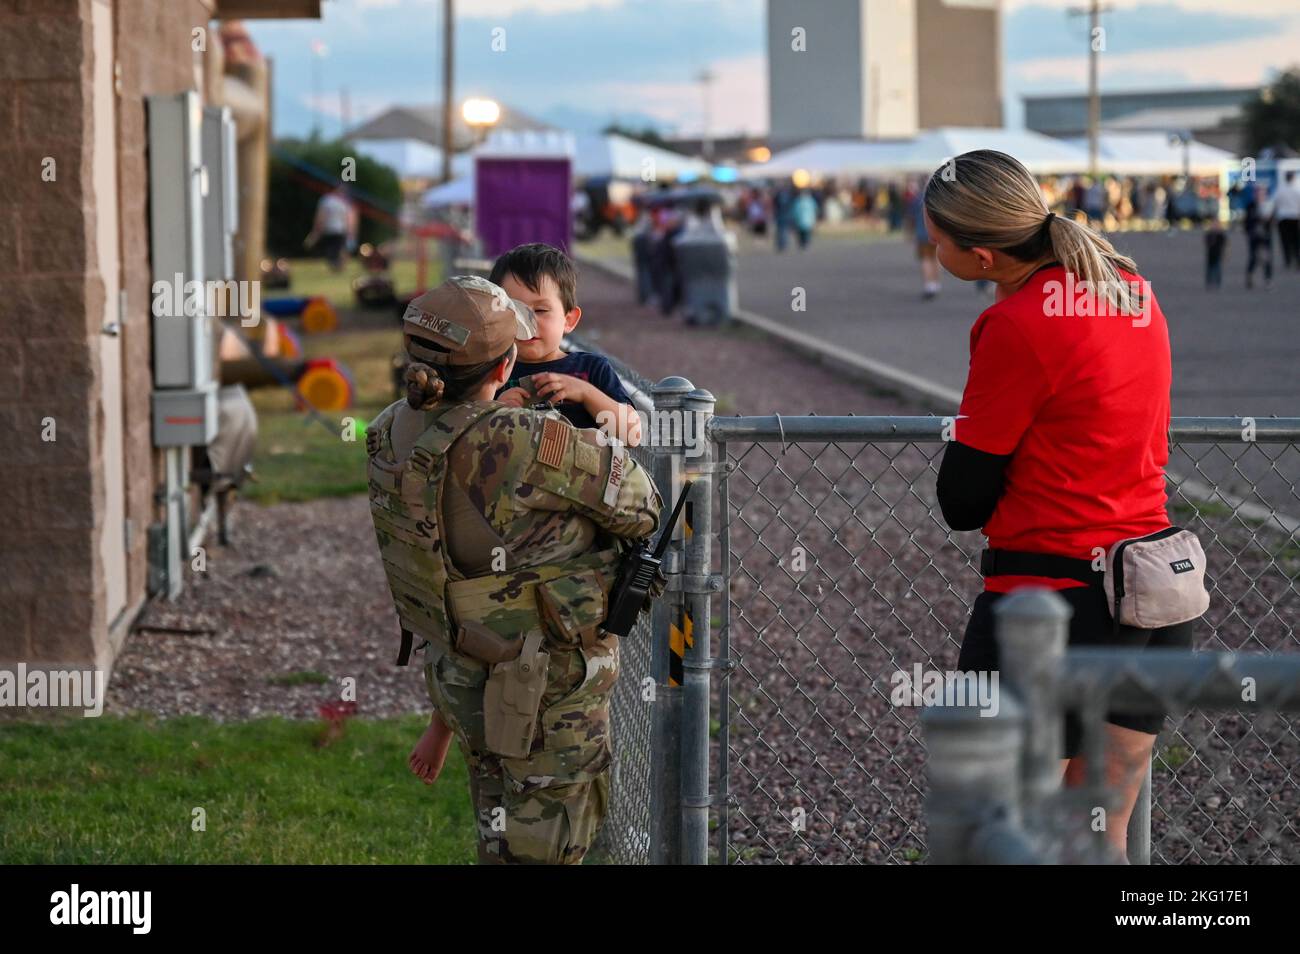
x: 881, y: 68
x: 959, y: 63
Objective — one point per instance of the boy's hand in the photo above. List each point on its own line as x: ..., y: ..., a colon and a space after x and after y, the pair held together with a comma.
x: 561, y: 387
x: 515, y: 397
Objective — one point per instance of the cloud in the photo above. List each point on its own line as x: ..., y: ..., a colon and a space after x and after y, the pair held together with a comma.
x: 737, y: 98
x: 1256, y: 8
x: 1235, y: 63
x: 480, y: 9
x: 1038, y: 31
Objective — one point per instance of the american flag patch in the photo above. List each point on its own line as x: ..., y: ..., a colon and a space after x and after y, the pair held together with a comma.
x: 555, y: 441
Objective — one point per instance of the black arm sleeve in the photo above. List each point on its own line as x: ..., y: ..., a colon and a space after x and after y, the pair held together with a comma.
x: 970, y: 484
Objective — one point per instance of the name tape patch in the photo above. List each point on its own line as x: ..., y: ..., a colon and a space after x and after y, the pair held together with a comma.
x: 439, y: 326
x: 617, y: 467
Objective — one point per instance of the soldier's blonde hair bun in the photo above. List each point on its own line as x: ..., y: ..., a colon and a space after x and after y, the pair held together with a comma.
x: 424, y: 386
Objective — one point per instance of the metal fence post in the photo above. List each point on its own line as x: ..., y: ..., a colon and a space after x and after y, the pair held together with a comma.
x: 666, y: 665
x: 698, y: 585
x: 973, y: 769
x: 1139, y: 825
x: 1031, y: 629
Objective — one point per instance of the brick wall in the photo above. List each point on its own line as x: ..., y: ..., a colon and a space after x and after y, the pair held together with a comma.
x: 52, y: 602
x: 50, y: 586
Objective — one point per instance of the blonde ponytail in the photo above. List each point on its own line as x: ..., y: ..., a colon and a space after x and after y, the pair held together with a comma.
x: 1091, y: 258
x: 987, y: 199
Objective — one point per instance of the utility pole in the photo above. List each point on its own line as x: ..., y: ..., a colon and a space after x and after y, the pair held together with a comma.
x: 1096, y: 44
x: 706, y: 78
x: 448, y: 70
x: 318, y: 53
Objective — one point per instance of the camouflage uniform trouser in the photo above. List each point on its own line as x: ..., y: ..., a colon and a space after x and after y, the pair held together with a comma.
x: 547, y: 808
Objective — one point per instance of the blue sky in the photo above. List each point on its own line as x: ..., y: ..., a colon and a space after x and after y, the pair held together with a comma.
x: 580, y: 63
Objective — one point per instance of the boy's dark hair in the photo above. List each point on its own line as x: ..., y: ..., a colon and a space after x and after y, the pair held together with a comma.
x: 532, y: 262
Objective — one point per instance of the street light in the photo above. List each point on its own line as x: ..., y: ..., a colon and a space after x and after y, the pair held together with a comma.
x: 1183, y: 137
x: 480, y: 115
x: 319, y: 51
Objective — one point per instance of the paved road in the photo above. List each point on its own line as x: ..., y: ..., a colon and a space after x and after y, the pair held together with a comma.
x: 1236, y: 352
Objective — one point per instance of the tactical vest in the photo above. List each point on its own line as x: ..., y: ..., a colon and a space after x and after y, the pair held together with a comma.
x: 430, y: 595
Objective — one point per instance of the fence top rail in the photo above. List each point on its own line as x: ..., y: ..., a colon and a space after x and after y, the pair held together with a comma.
x: 1131, y: 681
x: 778, y: 428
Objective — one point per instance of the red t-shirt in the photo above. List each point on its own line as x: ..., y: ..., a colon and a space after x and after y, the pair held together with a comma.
x: 1081, y: 402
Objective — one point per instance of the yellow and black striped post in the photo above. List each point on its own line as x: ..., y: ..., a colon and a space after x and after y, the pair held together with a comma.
x: 680, y: 635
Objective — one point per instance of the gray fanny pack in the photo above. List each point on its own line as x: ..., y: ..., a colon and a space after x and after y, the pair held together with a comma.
x: 1157, y: 580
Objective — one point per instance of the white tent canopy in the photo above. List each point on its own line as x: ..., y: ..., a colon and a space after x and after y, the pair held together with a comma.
x: 623, y: 158
x: 1149, y: 154
x: 412, y: 158
x: 597, y: 155
x: 594, y: 155
x: 924, y: 153
x: 456, y: 192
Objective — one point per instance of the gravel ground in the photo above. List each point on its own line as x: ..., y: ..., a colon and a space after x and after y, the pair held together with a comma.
x: 811, y: 726
x: 300, y: 591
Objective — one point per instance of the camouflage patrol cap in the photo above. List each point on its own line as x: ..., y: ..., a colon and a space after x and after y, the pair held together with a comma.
x: 471, y: 317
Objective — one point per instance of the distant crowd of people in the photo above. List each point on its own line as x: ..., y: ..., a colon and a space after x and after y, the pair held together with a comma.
x: 1108, y: 203
x: 1251, y: 205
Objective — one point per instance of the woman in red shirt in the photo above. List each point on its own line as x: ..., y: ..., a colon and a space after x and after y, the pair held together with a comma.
x: 1061, y: 442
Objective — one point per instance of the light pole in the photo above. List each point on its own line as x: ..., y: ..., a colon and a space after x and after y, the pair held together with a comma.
x: 1184, y: 137
x: 448, y: 72
x: 706, y: 78
x: 318, y: 53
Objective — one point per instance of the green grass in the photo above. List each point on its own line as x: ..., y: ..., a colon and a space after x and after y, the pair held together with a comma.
x: 305, y: 677
x: 1173, y: 758
x: 1187, y: 509
x: 123, y: 791
x: 298, y: 459
x: 312, y: 277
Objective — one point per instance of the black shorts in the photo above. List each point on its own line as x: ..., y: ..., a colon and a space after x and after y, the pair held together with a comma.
x: 1090, y: 625
x: 331, y: 246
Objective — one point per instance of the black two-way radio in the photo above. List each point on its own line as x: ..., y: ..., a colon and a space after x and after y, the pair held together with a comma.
x: 637, y: 575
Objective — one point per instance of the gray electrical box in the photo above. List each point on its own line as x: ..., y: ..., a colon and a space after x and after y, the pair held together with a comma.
x: 221, y: 205
x: 182, y: 332
x: 184, y: 418
x: 188, y: 187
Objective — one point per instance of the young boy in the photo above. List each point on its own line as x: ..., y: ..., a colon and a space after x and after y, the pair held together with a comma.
x: 583, y: 386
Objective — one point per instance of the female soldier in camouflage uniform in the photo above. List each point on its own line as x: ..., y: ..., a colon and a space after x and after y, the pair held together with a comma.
x: 500, y: 530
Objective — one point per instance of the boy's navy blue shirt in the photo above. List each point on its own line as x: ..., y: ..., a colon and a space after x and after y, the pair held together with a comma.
x: 583, y: 365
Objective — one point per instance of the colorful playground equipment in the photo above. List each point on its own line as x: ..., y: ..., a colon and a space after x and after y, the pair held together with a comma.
x: 275, y: 357
x: 315, y: 313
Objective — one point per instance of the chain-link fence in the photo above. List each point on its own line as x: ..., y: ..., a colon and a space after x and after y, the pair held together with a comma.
x: 625, y: 837
x: 841, y: 573
x: 825, y: 535
x: 995, y: 792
